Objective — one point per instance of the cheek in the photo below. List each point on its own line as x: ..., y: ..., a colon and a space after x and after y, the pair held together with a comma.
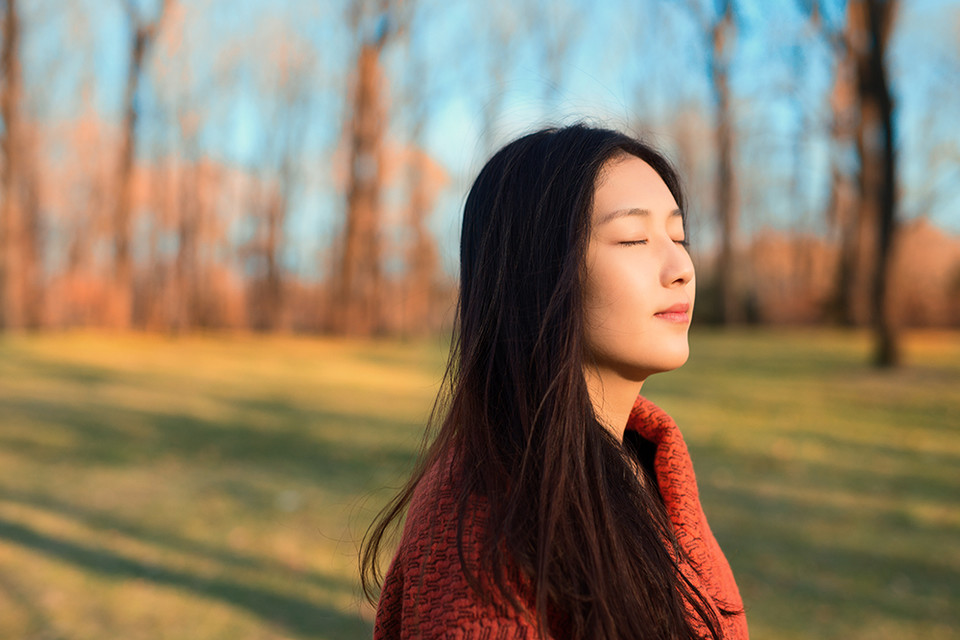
x: 599, y: 292
x: 615, y: 296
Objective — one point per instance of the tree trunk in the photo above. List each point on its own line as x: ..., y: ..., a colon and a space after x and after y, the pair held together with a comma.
x: 11, y: 246
x: 32, y: 281
x: 728, y: 307
x: 185, y: 266
x: 422, y: 255
x: 356, y: 303
x: 872, y: 22
x: 843, y: 213
x: 122, y: 261
x: 881, y: 19
x: 273, y: 283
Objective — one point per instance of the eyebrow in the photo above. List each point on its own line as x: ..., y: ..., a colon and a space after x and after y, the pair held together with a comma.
x: 620, y: 213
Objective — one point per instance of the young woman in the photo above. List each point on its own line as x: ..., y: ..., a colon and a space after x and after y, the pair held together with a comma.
x: 555, y: 501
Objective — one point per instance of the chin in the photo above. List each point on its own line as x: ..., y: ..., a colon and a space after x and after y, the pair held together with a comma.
x: 640, y: 369
x: 669, y: 360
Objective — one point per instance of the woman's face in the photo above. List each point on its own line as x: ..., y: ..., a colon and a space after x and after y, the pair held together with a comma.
x: 639, y: 286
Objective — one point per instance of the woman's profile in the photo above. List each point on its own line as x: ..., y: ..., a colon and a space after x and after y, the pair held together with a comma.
x: 555, y: 501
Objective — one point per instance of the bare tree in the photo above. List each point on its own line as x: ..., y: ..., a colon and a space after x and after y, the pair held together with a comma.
x: 144, y: 34
x: 188, y: 215
x: 32, y: 230
x: 275, y: 194
x: 419, y: 252
x: 849, y: 300
x: 869, y: 24
x: 197, y: 180
x: 21, y: 233
x: 291, y: 121
x: 357, y: 289
x: 866, y: 210
x: 843, y: 213
x: 423, y: 259
x: 11, y: 307
x: 719, y: 26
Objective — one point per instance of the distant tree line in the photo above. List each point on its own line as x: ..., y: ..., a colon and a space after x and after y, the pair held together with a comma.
x: 178, y: 241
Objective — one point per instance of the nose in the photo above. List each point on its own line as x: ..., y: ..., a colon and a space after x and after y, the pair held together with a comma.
x: 677, y: 269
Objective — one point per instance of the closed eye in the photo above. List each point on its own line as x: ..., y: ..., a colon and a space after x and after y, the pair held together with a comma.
x: 630, y: 243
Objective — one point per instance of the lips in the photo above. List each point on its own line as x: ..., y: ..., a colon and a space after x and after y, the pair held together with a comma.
x: 679, y: 313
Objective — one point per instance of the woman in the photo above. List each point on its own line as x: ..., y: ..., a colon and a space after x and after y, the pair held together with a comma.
x: 554, y: 500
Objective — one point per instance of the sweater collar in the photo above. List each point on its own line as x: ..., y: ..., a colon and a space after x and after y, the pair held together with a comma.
x: 675, y: 477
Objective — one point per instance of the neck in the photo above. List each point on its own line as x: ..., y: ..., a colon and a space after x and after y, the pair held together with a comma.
x: 612, y: 397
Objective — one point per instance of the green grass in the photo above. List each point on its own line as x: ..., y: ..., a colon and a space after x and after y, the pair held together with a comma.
x: 216, y: 487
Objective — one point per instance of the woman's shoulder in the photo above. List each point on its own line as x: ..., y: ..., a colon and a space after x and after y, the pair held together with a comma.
x: 436, y: 506
x: 426, y: 593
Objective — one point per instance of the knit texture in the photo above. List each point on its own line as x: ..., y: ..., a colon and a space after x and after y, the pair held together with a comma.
x: 678, y: 485
x: 426, y: 596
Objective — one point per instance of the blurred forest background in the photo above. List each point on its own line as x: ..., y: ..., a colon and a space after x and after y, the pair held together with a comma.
x: 228, y: 262
x: 300, y: 166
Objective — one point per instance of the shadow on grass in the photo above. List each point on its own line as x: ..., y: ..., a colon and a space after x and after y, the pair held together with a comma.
x: 853, y: 468
x: 22, y: 360
x: 295, y: 614
x: 168, y: 540
x: 794, y: 573
x: 295, y: 447
x: 866, y: 563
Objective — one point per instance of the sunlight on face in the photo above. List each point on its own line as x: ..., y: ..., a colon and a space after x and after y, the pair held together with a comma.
x: 639, y: 288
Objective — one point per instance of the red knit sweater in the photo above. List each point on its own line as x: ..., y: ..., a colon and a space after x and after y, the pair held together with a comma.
x: 425, y: 595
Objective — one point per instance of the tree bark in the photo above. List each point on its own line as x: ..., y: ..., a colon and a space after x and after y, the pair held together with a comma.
x: 356, y: 303
x: 422, y: 255
x: 272, y: 298
x: 31, y: 277
x: 728, y: 306
x: 871, y: 22
x: 11, y: 248
x: 186, y: 263
x: 881, y: 16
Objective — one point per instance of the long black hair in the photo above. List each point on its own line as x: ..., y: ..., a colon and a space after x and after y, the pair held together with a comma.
x: 565, y: 511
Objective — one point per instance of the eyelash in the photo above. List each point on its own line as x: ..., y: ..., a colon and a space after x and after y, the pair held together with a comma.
x: 630, y: 243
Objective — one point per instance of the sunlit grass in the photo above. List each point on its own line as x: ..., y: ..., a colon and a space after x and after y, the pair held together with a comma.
x: 200, y: 487
x: 209, y: 487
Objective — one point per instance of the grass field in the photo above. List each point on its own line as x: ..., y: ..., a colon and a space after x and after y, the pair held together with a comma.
x: 215, y: 487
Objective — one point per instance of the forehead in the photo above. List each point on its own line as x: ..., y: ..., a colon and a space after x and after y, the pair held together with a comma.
x: 630, y: 183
